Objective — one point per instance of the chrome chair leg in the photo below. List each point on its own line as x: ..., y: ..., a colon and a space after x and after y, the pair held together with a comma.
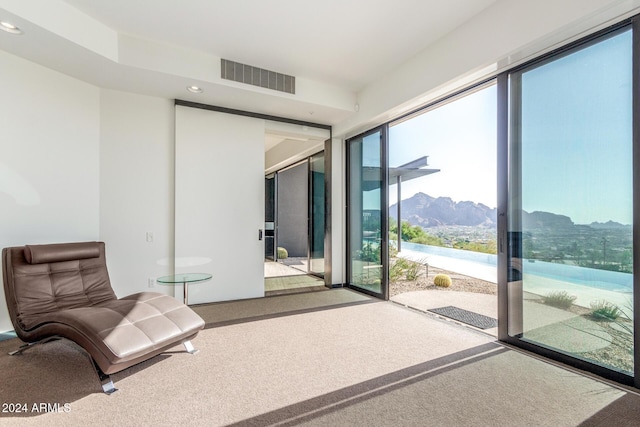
x: 28, y: 345
x: 108, y: 387
x: 22, y: 348
x: 105, y: 380
x: 189, y: 347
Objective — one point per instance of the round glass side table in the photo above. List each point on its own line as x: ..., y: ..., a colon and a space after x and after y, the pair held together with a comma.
x: 185, y: 279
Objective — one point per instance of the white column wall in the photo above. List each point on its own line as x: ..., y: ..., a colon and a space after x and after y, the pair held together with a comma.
x: 49, y: 167
x: 219, y: 203
x: 136, y: 189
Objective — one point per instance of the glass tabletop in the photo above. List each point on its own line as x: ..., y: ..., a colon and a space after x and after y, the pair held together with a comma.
x: 184, y: 278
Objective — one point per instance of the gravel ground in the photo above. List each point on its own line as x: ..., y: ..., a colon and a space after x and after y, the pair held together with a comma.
x: 459, y: 283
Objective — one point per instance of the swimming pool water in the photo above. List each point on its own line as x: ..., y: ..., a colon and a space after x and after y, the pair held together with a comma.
x: 602, y: 279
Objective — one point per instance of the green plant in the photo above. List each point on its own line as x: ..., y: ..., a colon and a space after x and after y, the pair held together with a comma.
x: 442, y: 280
x: 370, y: 253
x: 621, y: 330
x: 559, y: 299
x: 413, y: 234
x: 489, y: 247
x: 624, y: 331
x: 282, y: 253
x: 413, y: 271
x: 403, y: 267
x: 397, y: 269
x: 604, y: 310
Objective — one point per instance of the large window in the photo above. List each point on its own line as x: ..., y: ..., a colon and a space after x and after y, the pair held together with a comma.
x: 570, y: 203
x: 566, y: 199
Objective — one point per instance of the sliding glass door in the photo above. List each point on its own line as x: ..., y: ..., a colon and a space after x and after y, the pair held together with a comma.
x: 317, y: 214
x: 570, y: 205
x: 568, y: 210
x: 367, y: 201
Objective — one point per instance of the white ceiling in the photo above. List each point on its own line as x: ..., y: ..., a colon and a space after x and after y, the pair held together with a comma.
x: 348, y: 43
x: 335, y: 48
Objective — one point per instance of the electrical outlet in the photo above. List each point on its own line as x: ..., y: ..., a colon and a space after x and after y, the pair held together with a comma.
x: 152, y: 282
x: 150, y: 236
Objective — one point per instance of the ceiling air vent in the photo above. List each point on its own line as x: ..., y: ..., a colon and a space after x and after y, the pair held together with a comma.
x: 257, y: 76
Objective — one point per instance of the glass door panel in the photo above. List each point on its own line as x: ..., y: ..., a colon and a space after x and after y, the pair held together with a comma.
x: 317, y: 200
x: 570, y: 281
x: 367, y: 224
x: 292, y: 216
x: 269, y: 217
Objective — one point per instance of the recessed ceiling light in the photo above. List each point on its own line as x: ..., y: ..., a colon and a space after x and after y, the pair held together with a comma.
x: 194, y: 89
x: 9, y: 28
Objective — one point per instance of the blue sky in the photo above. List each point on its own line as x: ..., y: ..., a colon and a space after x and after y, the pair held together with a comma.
x: 460, y: 140
x: 576, y: 134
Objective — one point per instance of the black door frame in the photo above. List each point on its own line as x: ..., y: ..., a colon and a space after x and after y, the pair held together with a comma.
x: 384, y: 211
x: 506, y: 241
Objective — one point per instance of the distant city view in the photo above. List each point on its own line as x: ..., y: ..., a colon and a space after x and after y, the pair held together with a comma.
x: 443, y: 222
x: 545, y: 236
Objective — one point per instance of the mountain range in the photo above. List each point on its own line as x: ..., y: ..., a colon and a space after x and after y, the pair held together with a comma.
x: 426, y: 211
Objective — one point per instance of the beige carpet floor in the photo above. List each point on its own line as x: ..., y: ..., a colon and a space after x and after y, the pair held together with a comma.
x: 332, y: 358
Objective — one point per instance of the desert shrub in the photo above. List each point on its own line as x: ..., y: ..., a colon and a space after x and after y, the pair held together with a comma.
x: 624, y: 331
x: 442, y: 280
x: 393, y: 251
x: 282, y: 253
x: 559, y: 299
x: 402, y: 267
x: 398, y: 269
x: 412, y: 271
x: 604, y: 310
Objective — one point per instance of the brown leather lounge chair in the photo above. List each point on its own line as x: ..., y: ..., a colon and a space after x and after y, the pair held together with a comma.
x: 63, y: 291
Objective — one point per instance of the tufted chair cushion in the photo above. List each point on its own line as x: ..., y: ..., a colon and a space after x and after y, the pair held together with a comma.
x: 51, y: 278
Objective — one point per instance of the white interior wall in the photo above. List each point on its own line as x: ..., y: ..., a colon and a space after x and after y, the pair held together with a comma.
x: 136, y: 189
x: 49, y: 168
x: 219, y: 203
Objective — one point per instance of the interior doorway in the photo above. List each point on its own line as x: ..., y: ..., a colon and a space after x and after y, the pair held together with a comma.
x: 294, y: 227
